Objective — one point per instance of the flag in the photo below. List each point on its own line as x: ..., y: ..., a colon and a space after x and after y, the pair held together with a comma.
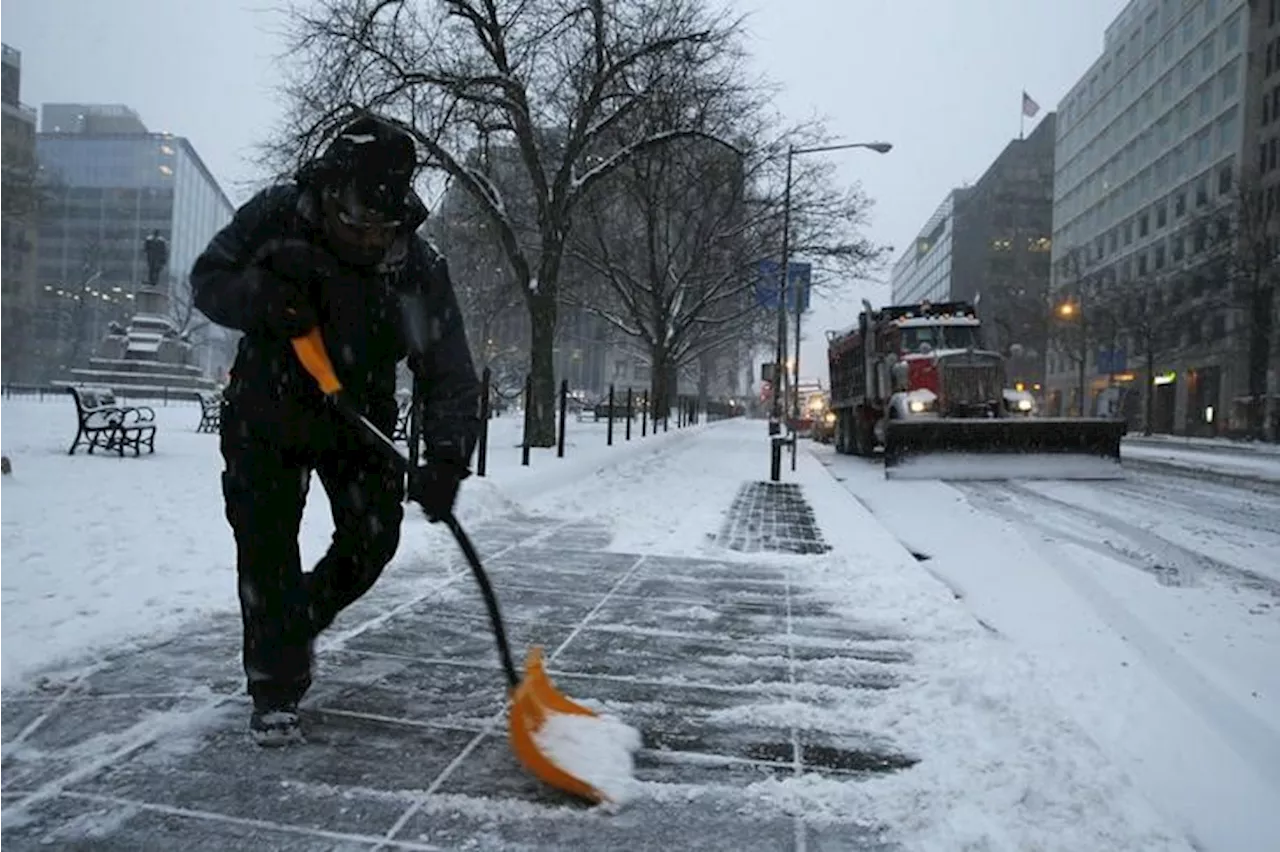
x: 1029, y: 107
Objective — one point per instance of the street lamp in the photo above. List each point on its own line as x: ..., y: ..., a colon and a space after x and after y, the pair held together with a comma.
x: 1075, y: 311
x: 780, y: 372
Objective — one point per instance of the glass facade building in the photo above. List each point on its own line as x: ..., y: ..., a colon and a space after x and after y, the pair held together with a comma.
x: 105, y: 193
x: 924, y: 270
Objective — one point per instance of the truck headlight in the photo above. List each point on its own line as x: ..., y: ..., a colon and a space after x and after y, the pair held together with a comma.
x: 829, y: 418
x: 1024, y: 405
x: 916, y: 406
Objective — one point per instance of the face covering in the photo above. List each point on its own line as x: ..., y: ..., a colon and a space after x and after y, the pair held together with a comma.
x: 357, y: 234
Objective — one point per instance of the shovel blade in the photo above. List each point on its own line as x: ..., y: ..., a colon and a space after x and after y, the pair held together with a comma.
x: 531, y: 703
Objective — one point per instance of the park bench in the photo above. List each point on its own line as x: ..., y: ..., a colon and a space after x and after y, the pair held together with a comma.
x: 103, y: 424
x: 210, y: 412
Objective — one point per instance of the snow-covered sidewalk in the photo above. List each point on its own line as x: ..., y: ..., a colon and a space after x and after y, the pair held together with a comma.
x: 100, y: 550
x: 840, y: 699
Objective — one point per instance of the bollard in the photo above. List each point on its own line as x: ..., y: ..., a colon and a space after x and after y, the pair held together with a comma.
x: 775, y: 459
x: 609, y: 428
x: 482, y: 451
x: 564, y: 400
x: 644, y: 414
x: 528, y: 396
x: 629, y: 414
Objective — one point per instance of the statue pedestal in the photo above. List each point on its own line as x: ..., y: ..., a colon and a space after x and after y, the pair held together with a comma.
x: 152, y: 301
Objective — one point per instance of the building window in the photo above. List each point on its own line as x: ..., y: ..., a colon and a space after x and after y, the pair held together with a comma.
x: 1162, y: 216
x: 1230, y: 80
x: 1206, y: 99
x: 1206, y: 55
x: 1179, y: 205
x: 1227, y: 131
x: 1143, y: 223
x: 1202, y: 193
x: 1158, y: 258
x: 1231, y: 30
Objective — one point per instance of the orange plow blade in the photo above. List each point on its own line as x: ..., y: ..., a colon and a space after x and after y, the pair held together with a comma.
x: 531, y: 702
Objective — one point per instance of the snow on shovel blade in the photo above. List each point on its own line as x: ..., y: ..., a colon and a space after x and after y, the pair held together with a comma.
x: 565, y: 744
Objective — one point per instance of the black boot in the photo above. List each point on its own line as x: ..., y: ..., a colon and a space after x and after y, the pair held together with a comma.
x: 275, y: 723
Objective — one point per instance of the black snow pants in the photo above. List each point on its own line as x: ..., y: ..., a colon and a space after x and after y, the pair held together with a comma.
x: 265, y: 485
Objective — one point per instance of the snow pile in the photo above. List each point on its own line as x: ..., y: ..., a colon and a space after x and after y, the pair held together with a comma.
x: 594, y: 749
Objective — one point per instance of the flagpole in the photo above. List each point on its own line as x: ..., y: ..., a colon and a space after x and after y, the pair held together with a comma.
x: 1022, y: 116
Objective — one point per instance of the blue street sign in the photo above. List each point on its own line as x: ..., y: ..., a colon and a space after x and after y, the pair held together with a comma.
x: 798, y: 281
x: 1111, y: 361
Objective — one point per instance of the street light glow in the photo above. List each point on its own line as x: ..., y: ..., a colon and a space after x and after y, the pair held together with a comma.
x: 1066, y: 310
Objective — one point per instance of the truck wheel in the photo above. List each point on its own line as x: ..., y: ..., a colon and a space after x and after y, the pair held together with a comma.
x: 864, y: 438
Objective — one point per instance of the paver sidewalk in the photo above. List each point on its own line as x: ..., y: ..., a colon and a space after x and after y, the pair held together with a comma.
x: 147, y: 749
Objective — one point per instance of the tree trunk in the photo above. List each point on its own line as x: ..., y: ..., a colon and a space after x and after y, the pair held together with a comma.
x: 659, y: 387
x: 706, y: 363
x: 540, y: 409
x: 1259, y: 358
x: 1149, y: 416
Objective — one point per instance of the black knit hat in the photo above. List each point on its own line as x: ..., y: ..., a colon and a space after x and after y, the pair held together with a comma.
x: 376, y: 159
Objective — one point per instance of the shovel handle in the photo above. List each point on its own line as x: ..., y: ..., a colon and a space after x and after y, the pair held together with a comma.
x: 311, y: 352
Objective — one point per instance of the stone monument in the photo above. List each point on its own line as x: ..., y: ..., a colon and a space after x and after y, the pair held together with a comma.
x: 149, y: 355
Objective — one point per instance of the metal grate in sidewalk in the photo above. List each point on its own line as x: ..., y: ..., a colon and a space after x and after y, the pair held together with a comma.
x: 771, y: 517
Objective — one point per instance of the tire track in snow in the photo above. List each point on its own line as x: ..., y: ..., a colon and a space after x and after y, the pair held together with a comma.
x: 1171, y: 555
x: 1253, y: 740
x: 1248, y: 511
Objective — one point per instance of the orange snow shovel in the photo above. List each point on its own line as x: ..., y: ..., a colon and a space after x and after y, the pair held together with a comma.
x: 535, y: 697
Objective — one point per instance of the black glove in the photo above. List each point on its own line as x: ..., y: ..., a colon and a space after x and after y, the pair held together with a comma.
x: 285, y: 307
x: 286, y: 275
x: 434, y: 487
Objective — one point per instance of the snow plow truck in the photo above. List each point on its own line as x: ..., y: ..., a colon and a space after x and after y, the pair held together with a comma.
x: 916, y: 381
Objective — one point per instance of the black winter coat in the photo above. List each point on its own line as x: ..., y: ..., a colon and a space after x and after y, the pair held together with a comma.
x: 371, y: 319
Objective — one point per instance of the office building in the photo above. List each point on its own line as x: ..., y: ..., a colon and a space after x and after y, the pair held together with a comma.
x: 989, y: 244
x: 20, y: 208
x: 1149, y: 144
x: 924, y: 270
x: 105, y: 193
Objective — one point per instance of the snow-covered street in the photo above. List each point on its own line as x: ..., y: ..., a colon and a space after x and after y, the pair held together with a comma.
x: 1150, y: 605
x: 1060, y: 666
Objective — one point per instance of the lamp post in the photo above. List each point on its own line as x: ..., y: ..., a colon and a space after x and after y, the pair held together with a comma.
x: 1075, y: 311
x: 784, y: 276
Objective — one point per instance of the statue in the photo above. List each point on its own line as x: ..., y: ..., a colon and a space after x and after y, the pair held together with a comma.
x: 156, y: 249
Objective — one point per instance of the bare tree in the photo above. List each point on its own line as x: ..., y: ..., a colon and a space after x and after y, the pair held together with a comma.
x: 548, y: 81
x: 487, y: 293
x: 1239, y: 243
x: 674, y: 239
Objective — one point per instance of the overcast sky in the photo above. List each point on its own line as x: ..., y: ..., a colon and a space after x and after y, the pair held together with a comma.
x: 940, y: 79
